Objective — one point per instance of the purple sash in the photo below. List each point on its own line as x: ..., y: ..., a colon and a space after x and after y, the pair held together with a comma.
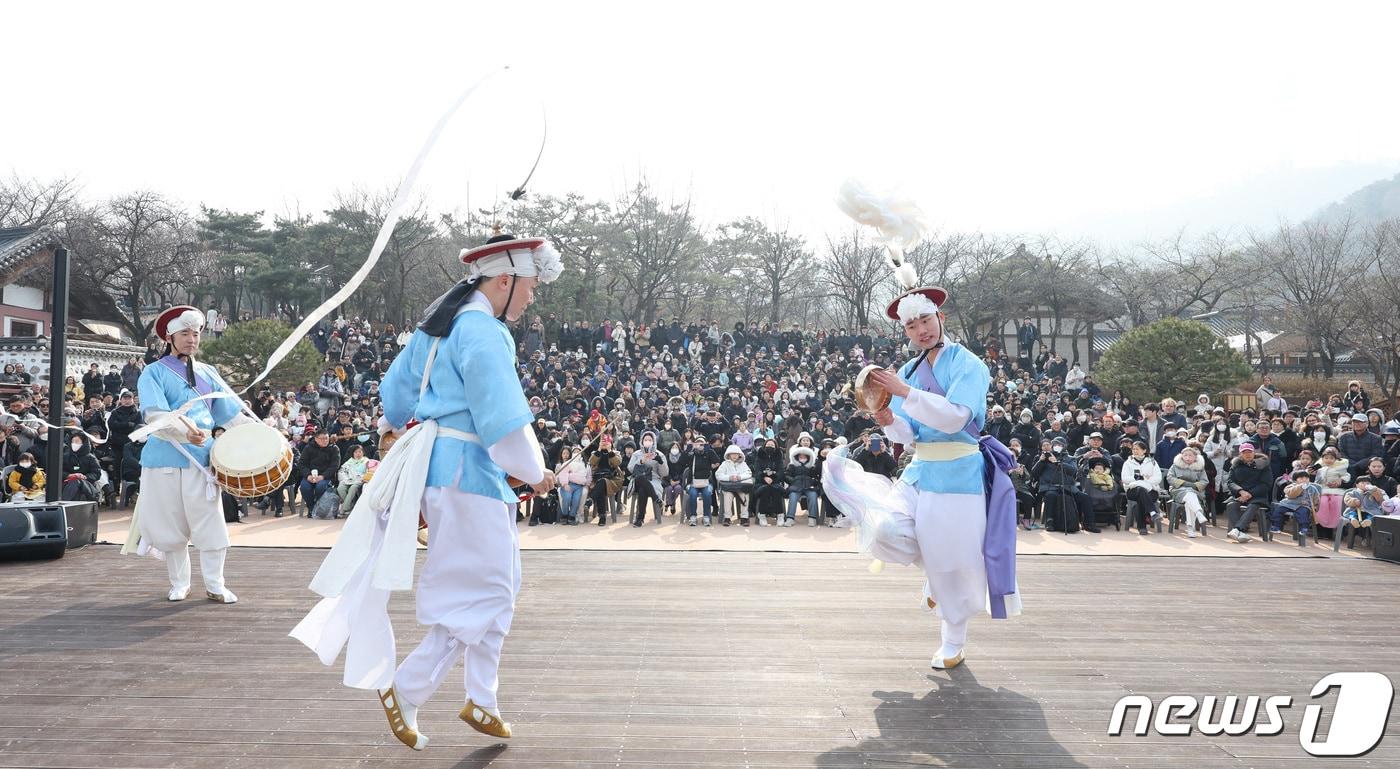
x: 201, y: 385
x: 999, y: 543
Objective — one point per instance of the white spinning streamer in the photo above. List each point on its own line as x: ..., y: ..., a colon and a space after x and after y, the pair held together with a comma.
x: 401, y: 200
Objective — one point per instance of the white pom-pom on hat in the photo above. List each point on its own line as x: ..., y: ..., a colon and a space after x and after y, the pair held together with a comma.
x: 899, y: 221
x: 523, y: 257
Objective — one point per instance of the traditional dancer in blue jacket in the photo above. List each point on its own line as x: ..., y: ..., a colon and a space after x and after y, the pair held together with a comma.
x: 456, y: 378
x: 179, y: 502
x: 953, y: 511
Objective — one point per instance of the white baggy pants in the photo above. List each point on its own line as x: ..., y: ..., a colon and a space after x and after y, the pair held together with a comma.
x: 466, y: 595
x: 175, y: 511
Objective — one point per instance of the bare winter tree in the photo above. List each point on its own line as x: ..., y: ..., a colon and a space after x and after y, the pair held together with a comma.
x: 775, y: 256
x: 1308, y: 269
x: 412, y: 248
x: 27, y: 201
x: 581, y: 230
x: 1170, y: 278
x: 656, y: 244
x: 134, y: 251
x: 988, y: 277
x: 1374, y: 329
x: 851, y: 272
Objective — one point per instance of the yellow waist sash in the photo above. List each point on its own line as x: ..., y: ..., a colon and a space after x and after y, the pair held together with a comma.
x: 943, y: 451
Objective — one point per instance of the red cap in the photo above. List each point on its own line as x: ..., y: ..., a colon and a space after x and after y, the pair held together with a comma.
x: 935, y: 294
x: 497, y: 244
x: 163, y: 321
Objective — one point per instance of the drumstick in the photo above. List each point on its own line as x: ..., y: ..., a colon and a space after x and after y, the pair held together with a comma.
x: 190, y: 426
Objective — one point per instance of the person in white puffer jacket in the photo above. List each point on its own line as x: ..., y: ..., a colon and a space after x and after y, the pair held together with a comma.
x: 1142, y: 478
x: 735, y: 480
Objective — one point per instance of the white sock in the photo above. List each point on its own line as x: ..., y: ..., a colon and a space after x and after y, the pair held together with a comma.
x: 177, y: 566
x: 954, y: 638
x: 409, y: 710
x: 211, y: 568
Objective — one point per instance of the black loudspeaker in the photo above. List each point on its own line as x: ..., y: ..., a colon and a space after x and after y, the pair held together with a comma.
x: 42, y: 530
x: 1385, y: 537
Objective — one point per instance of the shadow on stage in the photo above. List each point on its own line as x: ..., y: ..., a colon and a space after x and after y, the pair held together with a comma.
x: 481, y: 757
x: 93, y: 626
x: 959, y: 722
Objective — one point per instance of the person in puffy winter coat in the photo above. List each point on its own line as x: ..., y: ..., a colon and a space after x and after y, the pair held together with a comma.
x: 1187, y: 481
x: 769, y: 489
x: 735, y: 481
x: 801, y: 482
x: 649, y: 470
x: 605, y: 487
x: 81, y: 471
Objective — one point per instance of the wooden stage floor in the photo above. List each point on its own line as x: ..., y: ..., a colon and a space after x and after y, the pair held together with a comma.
x: 690, y: 659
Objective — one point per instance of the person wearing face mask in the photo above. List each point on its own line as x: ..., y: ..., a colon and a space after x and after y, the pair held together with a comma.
x: 81, y: 470
x: 648, y: 469
x: 606, y: 486
x: 675, y: 475
x: 800, y: 477
x: 1316, y: 434
x: 701, y: 461
x: 769, y: 492
x: 667, y: 438
x: 26, y: 481
x: 1217, y: 451
x: 1171, y: 444
x: 1079, y: 431
x: 1025, y: 430
x: 735, y: 480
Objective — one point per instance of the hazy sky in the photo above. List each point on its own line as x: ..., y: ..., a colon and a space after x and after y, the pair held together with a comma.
x: 1113, y: 121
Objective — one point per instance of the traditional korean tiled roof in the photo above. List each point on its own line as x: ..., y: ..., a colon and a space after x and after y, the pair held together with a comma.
x: 20, y: 245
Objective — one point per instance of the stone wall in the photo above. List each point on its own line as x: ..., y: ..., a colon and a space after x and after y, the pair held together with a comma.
x: 33, y: 354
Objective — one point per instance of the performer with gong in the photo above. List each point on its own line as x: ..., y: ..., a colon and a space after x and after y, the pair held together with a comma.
x: 948, y: 512
x: 179, y: 501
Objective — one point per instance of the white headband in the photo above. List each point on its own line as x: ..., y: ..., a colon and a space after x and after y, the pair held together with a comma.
x: 914, y: 306
x: 189, y: 319
x: 543, y: 263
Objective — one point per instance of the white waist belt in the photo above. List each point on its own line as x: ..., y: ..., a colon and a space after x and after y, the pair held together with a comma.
x: 447, y: 432
x: 943, y: 451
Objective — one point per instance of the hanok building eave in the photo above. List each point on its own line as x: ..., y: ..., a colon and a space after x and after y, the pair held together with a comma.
x: 24, y: 250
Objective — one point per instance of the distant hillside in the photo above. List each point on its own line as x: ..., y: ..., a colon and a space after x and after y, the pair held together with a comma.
x: 1374, y: 202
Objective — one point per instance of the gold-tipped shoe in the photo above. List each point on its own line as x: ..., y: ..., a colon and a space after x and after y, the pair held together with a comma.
x: 484, y: 721
x: 405, y: 733
x: 940, y: 663
x: 226, y: 596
